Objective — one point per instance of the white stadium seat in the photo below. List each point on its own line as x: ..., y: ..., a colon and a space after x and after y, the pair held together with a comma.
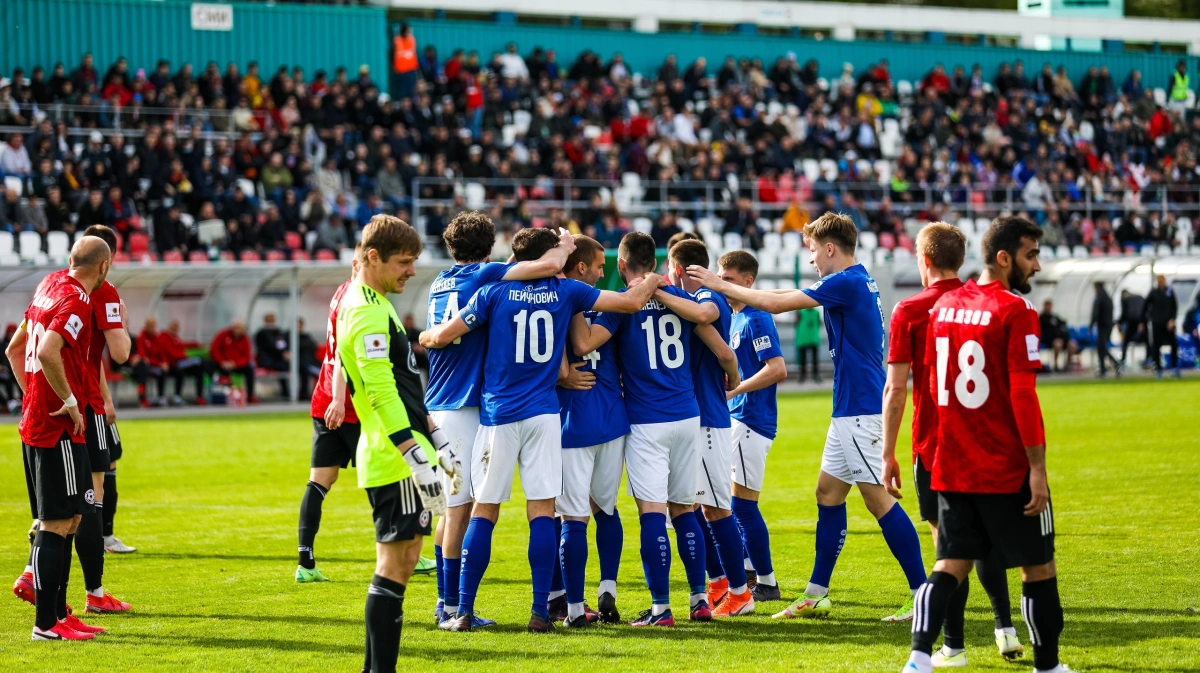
x: 642, y: 224
x: 29, y: 245
x: 686, y: 225
x: 731, y: 241
x: 58, y: 245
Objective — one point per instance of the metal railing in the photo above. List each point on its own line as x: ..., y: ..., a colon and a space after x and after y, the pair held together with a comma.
x: 128, y: 120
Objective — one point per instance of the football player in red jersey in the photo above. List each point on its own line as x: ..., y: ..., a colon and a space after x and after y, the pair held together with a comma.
x: 49, y: 357
x: 989, y: 467
x: 335, y: 438
x: 941, y: 248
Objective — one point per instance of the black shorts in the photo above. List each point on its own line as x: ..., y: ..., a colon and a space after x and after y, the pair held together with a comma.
x: 96, y: 435
x: 334, y: 448
x: 994, y: 526
x: 398, y: 512
x: 60, y: 485
x: 927, y: 498
x: 114, y: 445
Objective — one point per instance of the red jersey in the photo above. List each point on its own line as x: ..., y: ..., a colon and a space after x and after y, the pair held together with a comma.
x: 225, y: 347
x: 171, y: 347
x: 979, y: 335
x: 323, y: 392
x: 150, y: 348
x: 906, y: 343
x: 106, y: 315
x: 60, y: 305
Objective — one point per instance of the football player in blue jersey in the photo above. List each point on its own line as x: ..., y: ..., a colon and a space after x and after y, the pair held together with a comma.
x: 456, y: 373
x: 752, y: 406
x: 594, y: 426
x: 527, y: 324
x: 654, y: 350
x: 853, y: 454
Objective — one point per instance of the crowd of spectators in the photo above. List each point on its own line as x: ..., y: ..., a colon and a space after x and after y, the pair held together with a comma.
x: 288, y: 165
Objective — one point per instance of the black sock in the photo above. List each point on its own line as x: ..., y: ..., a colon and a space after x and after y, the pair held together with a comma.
x: 310, y: 522
x: 64, y: 574
x: 1044, y: 615
x: 47, y: 573
x: 994, y: 580
x: 110, y: 502
x: 956, y: 617
x: 931, y: 605
x: 89, y: 544
x: 385, y: 618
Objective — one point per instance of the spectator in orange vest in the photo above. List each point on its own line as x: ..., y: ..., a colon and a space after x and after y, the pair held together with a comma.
x: 404, y: 63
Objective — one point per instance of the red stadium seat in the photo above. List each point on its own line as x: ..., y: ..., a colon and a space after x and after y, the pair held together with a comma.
x: 300, y: 256
x: 139, y: 244
x: 324, y: 255
x: 172, y: 257
x: 120, y: 258
x: 226, y: 256
x: 887, y: 240
x: 250, y: 256
x: 293, y: 240
x: 198, y: 257
x: 276, y: 256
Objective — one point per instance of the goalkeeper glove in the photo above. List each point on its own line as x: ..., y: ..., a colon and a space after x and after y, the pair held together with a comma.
x: 427, y: 482
x: 448, y: 460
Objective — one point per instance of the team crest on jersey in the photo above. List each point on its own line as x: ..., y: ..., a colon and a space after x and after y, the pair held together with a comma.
x: 113, y: 311
x: 376, y: 346
x: 74, y: 325
x: 90, y: 497
x: 762, y: 343
x: 735, y: 340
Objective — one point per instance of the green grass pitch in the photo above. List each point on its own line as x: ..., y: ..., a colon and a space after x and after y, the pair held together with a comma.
x: 212, y: 505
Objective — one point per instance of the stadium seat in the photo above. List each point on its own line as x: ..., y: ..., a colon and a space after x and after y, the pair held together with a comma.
x: 812, y: 169
x: 347, y: 255
x: 139, y: 244
x: 293, y: 240
x: 714, y: 244
x: 249, y: 256
x: 300, y: 256
x: 642, y: 224
x: 226, y: 256
x: 772, y: 241
x: 731, y: 241
x: 7, y: 256
x: 476, y: 195
x: 172, y: 257
x: 120, y: 258
x: 1080, y: 252
x: 887, y: 240
x: 521, y: 120
x: 58, y: 245
x: 764, y: 225
x: 686, y: 225
x: 792, y: 241
x: 326, y: 255
x: 768, y: 261
x: 276, y: 256
x: 198, y: 257
x: 29, y: 245
x: 982, y: 224
x: 1062, y: 252
x: 1160, y: 97
x: 310, y: 240
x: 881, y: 256
x: 868, y: 240
x: 705, y: 226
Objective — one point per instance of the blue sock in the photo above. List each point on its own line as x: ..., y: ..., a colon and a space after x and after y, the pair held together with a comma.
x: 729, y: 548
x: 831, y: 535
x: 754, y: 535
x: 542, y: 544
x: 656, y: 557
x: 441, y: 575
x: 690, y: 539
x: 711, y: 561
x: 476, y: 555
x: 453, y: 568
x: 902, y: 539
x: 573, y: 555
x: 556, y: 581
x: 610, y: 537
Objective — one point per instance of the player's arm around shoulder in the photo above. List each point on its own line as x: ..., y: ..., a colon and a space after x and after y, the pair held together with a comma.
x: 630, y: 301
x: 549, y: 264
x: 716, y: 343
x: 471, y: 317
x: 586, y: 337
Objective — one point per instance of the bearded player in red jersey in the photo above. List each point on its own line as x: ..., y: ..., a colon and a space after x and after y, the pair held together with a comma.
x: 108, y: 329
x: 989, y: 468
x: 941, y: 249
x: 49, y: 358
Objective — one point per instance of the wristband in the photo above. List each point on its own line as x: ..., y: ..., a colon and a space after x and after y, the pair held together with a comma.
x: 71, y: 401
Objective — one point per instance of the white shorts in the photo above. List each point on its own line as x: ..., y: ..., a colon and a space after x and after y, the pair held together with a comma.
x: 533, y: 443
x: 854, y: 449
x: 661, y: 461
x: 750, y: 451
x: 461, y: 426
x: 715, y: 446
x: 591, y: 473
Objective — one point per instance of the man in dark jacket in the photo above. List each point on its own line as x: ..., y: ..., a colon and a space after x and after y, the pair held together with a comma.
x: 1161, y: 309
x: 1056, y: 337
x: 1132, y: 328
x: 273, y: 351
x: 1102, y: 321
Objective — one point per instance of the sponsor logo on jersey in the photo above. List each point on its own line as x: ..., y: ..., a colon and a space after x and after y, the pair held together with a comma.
x: 376, y: 346
x: 113, y: 311
x: 703, y: 294
x: 872, y: 286
x: 762, y: 343
x: 817, y: 285
x: 74, y: 325
x: 1032, y: 347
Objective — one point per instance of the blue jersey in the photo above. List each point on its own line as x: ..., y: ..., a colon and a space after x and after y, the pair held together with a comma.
x: 591, y: 417
x: 456, y: 371
x: 755, y: 340
x: 706, y: 368
x: 653, y: 346
x: 854, y: 324
x: 527, y: 323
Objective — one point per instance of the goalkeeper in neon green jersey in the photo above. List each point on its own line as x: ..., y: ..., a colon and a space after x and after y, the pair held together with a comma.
x: 397, y: 442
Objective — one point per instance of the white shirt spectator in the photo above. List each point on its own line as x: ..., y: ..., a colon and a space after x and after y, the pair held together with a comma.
x: 685, y: 128
x: 15, y: 161
x: 1036, y: 193
x: 512, y: 65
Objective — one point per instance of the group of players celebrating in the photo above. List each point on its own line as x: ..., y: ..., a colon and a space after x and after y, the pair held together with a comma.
x: 70, y: 443
x: 673, y: 380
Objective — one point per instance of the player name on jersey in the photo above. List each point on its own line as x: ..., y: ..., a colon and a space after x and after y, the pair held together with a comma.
x: 963, y: 316
x: 531, y: 296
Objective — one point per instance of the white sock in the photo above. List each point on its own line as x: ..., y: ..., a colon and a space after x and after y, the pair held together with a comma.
x: 1056, y: 669
x: 557, y: 594
x: 816, y: 590
x: 738, y: 591
x: 109, y: 538
x: 768, y: 579
x: 657, y: 609
x: 747, y: 564
x: 98, y: 593
x: 29, y: 569
x: 574, y: 610
x: 608, y: 587
x: 1010, y: 630
x: 921, y: 660
x: 714, y: 580
x: 696, y: 599
x: 951, y: 651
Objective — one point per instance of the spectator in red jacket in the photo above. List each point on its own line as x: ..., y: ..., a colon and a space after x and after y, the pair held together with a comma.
x: 231, y: 354
x: 179, y: 364
x: 151, y: 364
x: 937, y: 80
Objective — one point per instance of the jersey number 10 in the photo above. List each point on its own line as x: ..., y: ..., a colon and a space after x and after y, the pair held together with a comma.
x: 538, y: 322
x: 971, y: 386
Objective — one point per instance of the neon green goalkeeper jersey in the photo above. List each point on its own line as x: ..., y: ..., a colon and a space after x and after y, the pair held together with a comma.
x: 383, y: 380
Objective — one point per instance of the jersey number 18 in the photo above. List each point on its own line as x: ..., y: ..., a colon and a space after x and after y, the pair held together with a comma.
x: 669, y: 345
x: 971, y: 386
